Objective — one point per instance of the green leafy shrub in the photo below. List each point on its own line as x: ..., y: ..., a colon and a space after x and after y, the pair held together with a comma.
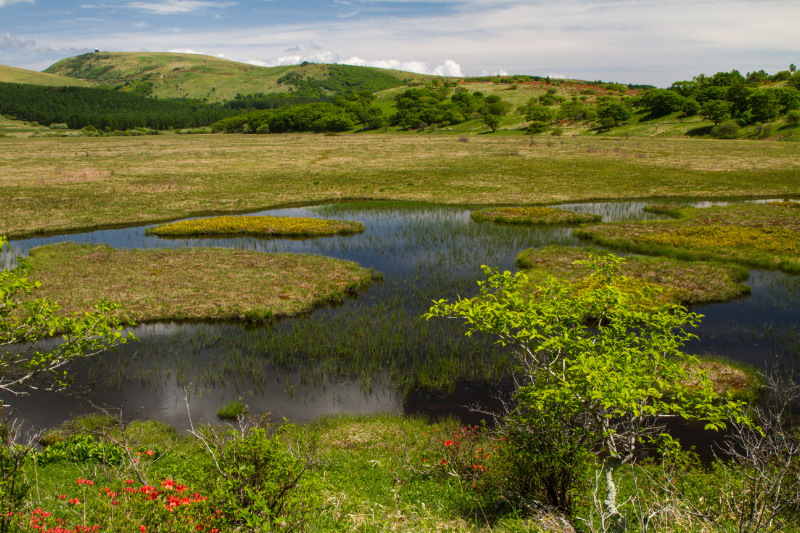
x: 232, y: 410
x: 81, y: 448
x: 262, y: 482
x: 727, y: 130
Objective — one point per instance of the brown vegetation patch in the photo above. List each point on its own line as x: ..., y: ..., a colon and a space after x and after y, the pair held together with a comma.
x: 192, y: 283
x: 681, y: 281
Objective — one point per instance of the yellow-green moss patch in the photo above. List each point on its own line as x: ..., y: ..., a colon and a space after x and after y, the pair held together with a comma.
x: 189, y: 283
x: 762, y: 235
x: 262, y: 226
x: 681, y: 281
x: 536, y: 215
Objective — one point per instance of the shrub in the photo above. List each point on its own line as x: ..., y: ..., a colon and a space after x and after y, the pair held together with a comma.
x: 727, y: 130
x: 793, y: 118
x: 232, y: 410
x: 262, y: 479
x: 537, y: 126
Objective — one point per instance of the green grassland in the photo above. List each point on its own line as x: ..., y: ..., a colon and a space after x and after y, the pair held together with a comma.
x: 67, y: 184
x: 191, y: 75
x: 192, y: 283
x: 19, y: 75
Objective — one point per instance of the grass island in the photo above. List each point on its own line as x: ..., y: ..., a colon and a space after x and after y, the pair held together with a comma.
x: 762, y: 235
x: 687, y: 282
x: 260, y: 226
x: 537, y: 215
x: 190, y: 283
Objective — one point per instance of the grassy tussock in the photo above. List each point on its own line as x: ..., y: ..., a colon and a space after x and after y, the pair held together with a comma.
x: 688, y: 282
x: 532, y: 215
x: 761, y: 235
x: 187, y: 283
x: 262, y: 226
x: 66, y: 184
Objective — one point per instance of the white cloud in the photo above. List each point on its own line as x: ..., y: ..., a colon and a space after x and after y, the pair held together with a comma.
x: 176, y: 7
x: 448, y: 68
x: 4, y: 3
x: 12, y: 41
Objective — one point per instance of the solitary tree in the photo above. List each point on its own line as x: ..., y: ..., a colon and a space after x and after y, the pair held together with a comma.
x: 602, y: 350
x: 491, y: 121
x: 616, y: 111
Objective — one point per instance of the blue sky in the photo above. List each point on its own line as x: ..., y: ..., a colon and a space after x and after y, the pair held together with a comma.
x: 632, y: 41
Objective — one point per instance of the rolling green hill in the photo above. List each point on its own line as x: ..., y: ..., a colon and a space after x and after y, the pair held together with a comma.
x: 19, y: 75
x: 169, y: 75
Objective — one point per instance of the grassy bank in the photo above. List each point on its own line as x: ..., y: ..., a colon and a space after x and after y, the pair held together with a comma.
x: 688, y: 282
x: 188, y: 283
x: 78, y: 183
x: 761, y: 235
x: 356, y: 474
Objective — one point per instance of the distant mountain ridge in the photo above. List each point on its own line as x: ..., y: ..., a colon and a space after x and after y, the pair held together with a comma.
x: 172, y: 75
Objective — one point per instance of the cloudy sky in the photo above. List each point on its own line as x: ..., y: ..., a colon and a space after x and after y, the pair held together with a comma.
x: 631, y: 41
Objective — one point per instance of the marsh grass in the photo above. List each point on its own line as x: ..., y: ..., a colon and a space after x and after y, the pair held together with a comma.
x: 765, y: 235
x: 261, y: 226
x: 532, y: 215
x: 688, y: 282
x: 57, y: 185
x: 190, y: 283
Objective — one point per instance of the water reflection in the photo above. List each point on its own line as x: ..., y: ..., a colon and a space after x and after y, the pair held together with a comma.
x: 371, y: 353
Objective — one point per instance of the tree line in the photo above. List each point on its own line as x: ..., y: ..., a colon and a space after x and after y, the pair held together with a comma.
x: 79, y: 107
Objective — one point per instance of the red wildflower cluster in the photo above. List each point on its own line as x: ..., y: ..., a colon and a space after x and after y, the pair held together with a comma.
x: 164, y: 508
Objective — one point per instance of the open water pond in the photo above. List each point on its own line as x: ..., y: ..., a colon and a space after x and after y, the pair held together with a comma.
x: 371, y: 353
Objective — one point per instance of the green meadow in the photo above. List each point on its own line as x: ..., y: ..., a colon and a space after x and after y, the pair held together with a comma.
x: 58, y: 185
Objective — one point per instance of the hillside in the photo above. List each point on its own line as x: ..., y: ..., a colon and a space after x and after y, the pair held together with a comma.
x: 169, y: 75
x: 19, y: 75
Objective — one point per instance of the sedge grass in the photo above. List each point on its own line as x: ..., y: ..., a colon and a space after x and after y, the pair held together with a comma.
x: 537, y: 215
x: 189, y: 283
x: 688, y: 282
x: 58, y: 185
x: 765, y: 235
x: 261, y: 226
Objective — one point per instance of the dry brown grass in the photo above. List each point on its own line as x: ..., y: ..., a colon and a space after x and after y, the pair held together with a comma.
x: 191, y: 283
x: 62, y: 184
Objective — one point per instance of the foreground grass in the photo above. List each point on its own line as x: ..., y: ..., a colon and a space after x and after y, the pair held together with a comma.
x: 367, y: 474
x: 760, y: 235
x: 189, y: 283
x: 66, y: 184
x: 687, y: 282
x: 261, y: 226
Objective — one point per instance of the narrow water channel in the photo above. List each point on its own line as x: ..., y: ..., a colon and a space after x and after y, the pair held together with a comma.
x: 370, y: 353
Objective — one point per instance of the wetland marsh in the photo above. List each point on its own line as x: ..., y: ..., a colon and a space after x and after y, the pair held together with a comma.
x: 371, y: 352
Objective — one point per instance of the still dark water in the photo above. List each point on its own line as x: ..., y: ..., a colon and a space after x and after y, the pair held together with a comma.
x: 370, y: 353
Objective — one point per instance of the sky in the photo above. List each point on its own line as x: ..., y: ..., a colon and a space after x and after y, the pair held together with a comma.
x: 652, y: 42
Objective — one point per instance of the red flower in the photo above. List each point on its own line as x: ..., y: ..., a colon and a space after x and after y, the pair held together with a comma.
x: 448, y: 443
x: 74, y: 501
